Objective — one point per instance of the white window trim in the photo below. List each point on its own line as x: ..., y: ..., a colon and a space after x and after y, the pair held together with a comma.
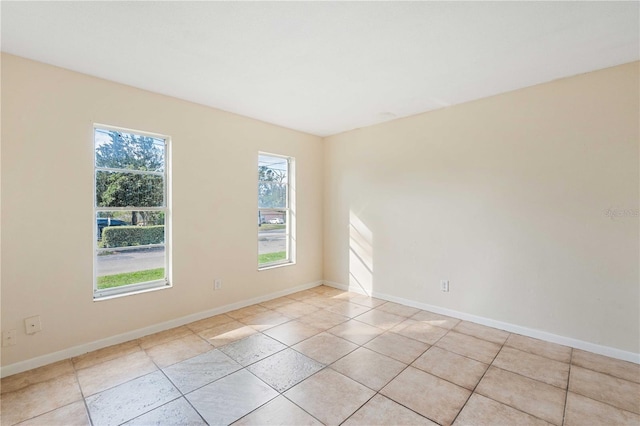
x: 110, y: 293
x: 290, y: 211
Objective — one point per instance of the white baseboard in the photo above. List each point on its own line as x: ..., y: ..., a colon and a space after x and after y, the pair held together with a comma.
x: 40, y: 361
x: 36, y: 362
x: 346, y: 287
x: 512, y: 328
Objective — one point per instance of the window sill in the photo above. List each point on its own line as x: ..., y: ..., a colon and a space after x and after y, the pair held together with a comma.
x: 132, y: 292
x: 275, y: 265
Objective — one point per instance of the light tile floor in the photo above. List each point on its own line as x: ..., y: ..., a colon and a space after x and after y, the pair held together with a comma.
x: 324, y: 356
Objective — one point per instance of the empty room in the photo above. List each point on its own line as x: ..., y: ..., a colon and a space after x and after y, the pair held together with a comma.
x: 308, y: 213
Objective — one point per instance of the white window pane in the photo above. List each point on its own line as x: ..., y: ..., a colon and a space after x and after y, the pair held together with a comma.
x: 129, y: 228
x: 121, y: 268
x: 275, y: 245
x: 121, y: 189
x: 272, y: 243
x: 273, y: 169
x: 272, y: 217
x: 272, y: 195
x: 121, y: 150
x: 131, y: 206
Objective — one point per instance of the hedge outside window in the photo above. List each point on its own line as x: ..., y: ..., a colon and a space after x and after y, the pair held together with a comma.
x: 131, y: 211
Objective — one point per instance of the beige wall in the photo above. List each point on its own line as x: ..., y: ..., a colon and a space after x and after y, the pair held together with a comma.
x: 506, y: 198
x: 47, y: 119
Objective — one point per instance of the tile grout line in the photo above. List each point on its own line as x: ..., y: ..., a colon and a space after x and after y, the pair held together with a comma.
x: 410, y: 365
x: 84, y: 398
x: 165, y: 376
x: 394, y: 377
x: 293, y: 402
x: 407, y: 365
x: 182, y: 394
x: 473, y: 391
x: 258, y: 407
x: 599, y: 401
x: 504, y: 344
x: 267, y: 384
x: 499, y: 402
x: 283, y: 393
x: 357, y: 409
x: 328, y: 366
x: 277, y: 391
x: 566, y: 397
x: 76, y: 370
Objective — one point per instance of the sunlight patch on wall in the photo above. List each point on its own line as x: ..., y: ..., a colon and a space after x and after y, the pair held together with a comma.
x: 360, y: 255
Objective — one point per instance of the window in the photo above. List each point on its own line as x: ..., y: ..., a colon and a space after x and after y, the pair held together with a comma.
x: 131, y: 211
x: 276, y: 210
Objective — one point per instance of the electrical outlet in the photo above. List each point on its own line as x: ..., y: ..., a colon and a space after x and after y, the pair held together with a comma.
x: 9, y: 338
x: 444, y: 285
x: 217, y: 284
x: 32, y: 325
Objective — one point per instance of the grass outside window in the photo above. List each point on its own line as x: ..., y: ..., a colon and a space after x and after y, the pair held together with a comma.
x: 118, y: 280
x: 271, y: 257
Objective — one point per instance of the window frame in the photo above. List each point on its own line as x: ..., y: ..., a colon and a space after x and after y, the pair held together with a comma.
x: 290, y: 209
x: 129, y: 289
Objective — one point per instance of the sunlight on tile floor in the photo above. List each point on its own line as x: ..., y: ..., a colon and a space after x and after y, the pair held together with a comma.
x: 325, y: 356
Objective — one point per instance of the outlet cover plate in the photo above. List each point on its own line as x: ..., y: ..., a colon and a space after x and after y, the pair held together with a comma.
x: 32, y: 325
x: 9, y: 337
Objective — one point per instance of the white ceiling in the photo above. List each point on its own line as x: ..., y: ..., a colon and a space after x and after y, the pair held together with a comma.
x: 325, y: 67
